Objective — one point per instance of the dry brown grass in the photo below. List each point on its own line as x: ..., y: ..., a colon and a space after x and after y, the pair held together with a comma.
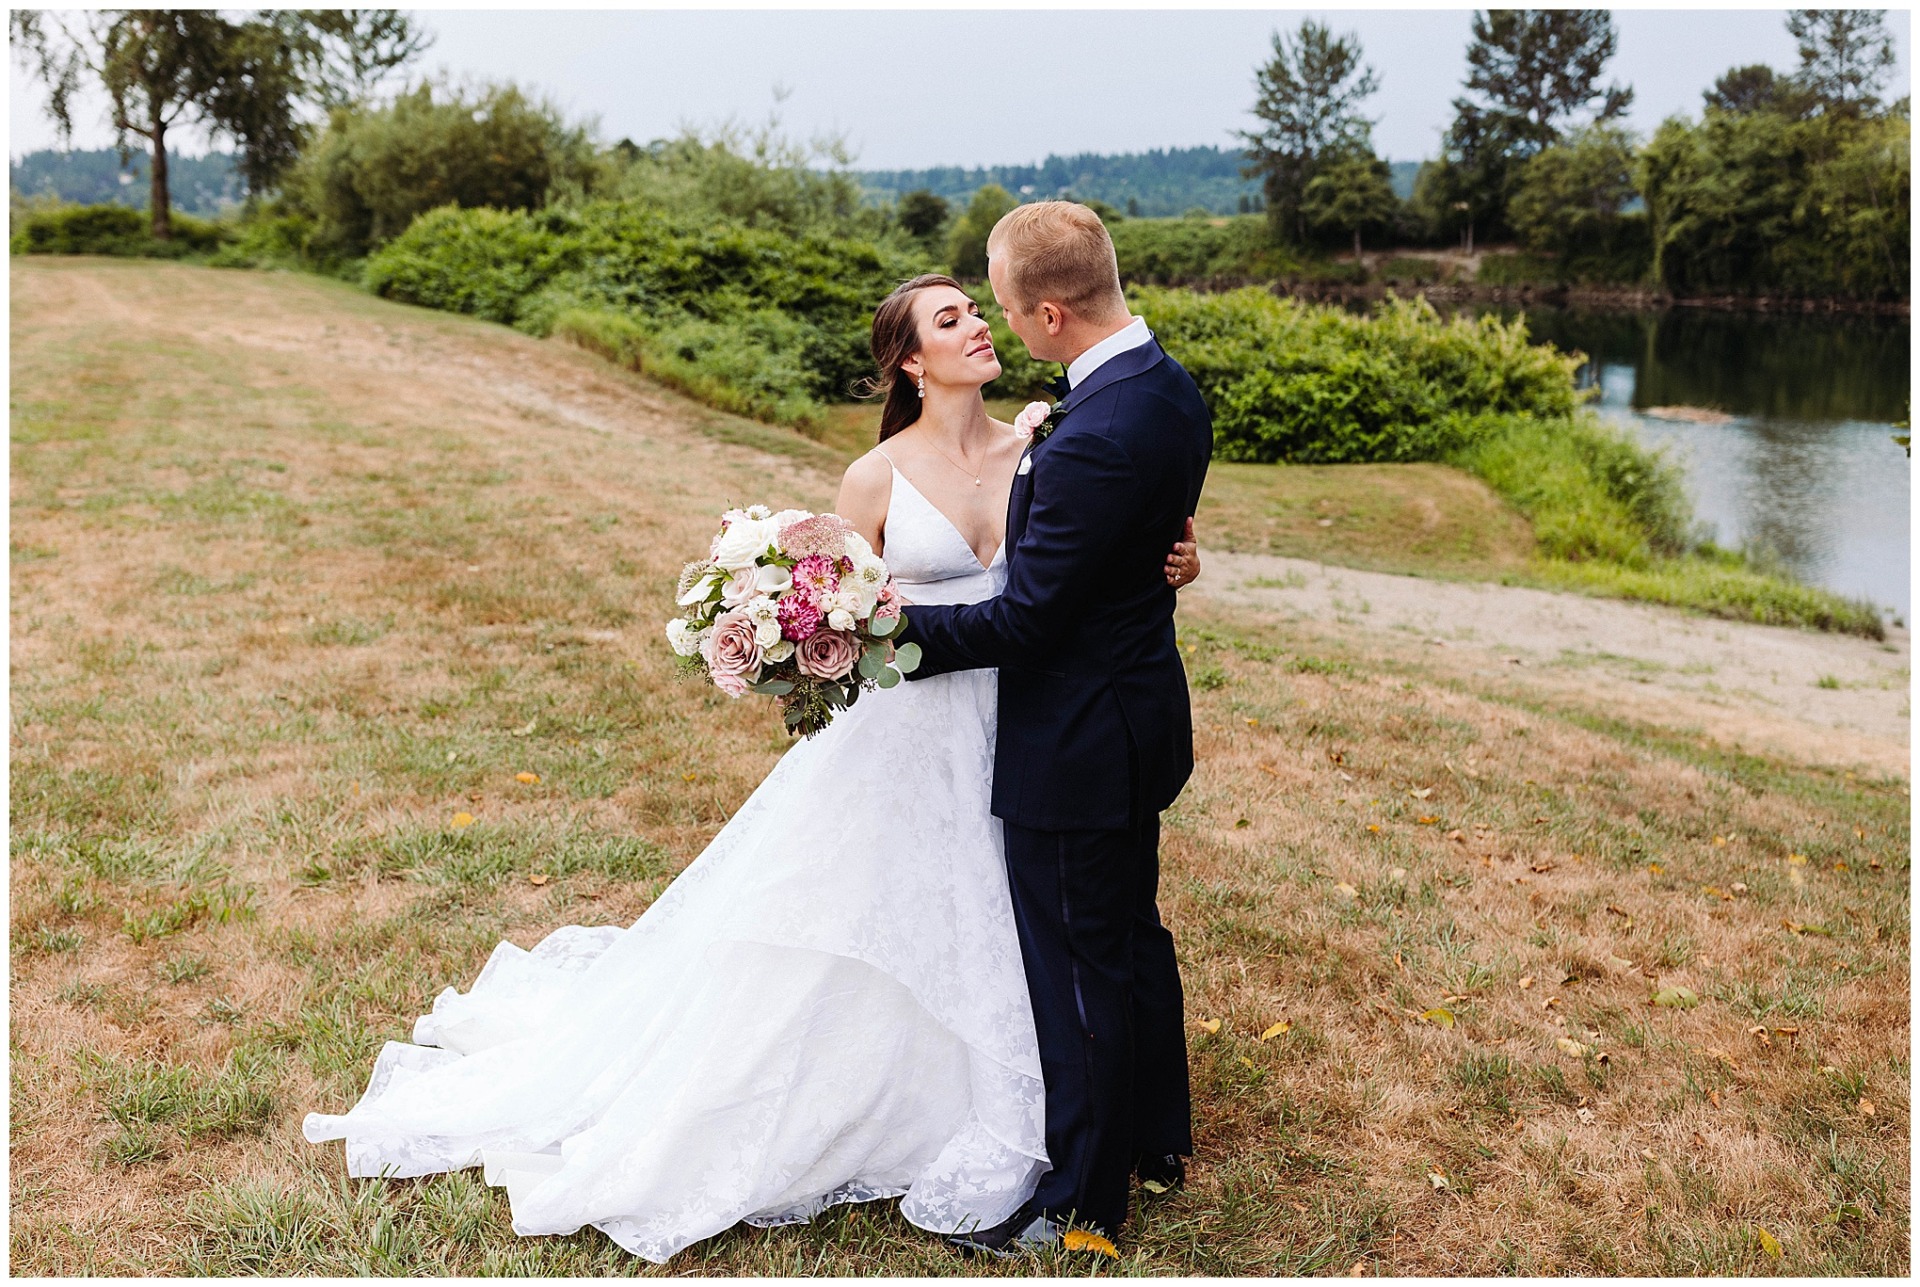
x: 297, y: 575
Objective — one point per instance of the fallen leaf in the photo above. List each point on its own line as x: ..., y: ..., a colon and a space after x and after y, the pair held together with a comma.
x: 1338, y: 757
x: 1252, y: 722
x: 1713, y: 1097
x: 1760, y: 1030
x: 1398, y: 873
x: 1739, y: 887
x: 1619, y: 963
x: 1437, y: 1180
x: 1790, y: 1031
x: 1422, y: 793
x: 688, y: 777
x: 540, y: 879
x: 1284, y: 1025
x: 1568, y: 1046
x: 1438, y: 1016
x: 526, y: 730
x: 1088, y: 1240
x: 1345, y: 890
x: 1359, y: 1269
x: 1526, y: 982
x: 1373, y: 826
x: 1647, y: 1154
x: 1768, y: 1243
x: 1680, y: 998
x: 1699, y: 1140
x: 1211, y: 1025
x: 1458, y: 835
x: 1427, y: 819
x: 1585, y: 1115
x: 1151, y: 1186
x: 528, y: 778
x: 1866, y: 1108
x: 461, y: 821
x: 1241, y: 824
x: 1655, y: 868
x: 1719, y: 840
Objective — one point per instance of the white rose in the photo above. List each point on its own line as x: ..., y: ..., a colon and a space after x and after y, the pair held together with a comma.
x: 840, y: 619
x: 857, y: 548
x: 739, y: 587
x: 683, y: 637
x: 765, y: 616
x: 790, y: 516
x: 742, y: 544
x: 759, y: 512
x: 779, y: 652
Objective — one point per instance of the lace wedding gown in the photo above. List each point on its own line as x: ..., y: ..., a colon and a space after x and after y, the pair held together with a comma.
x: 828, y: 1005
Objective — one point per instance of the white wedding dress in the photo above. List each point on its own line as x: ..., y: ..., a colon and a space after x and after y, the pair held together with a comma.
x: 828, y: 1005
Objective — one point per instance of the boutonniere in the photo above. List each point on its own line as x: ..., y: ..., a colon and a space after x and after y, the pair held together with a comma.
x: 1037, y: 420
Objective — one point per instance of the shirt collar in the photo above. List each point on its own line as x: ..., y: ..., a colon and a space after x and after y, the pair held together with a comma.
x: 1130, y: 336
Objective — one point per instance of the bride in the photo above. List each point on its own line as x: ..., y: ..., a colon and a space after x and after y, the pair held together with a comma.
x: 828, y: 1005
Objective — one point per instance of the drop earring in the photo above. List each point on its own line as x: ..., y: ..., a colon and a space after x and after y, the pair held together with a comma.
x: 922, y: 383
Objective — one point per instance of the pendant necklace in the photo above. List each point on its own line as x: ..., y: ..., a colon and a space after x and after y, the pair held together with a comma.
x: 956, y: 464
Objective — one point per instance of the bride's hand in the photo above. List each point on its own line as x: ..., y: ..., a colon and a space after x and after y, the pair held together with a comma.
x: 1183, y: 564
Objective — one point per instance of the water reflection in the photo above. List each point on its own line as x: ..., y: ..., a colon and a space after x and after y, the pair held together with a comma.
x: 1803, y: 466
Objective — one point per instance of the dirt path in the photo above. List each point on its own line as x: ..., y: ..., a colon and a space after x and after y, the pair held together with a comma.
x: 1820, y: 698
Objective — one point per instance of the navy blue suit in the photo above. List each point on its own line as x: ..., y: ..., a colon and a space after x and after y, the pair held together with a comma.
x: 1095, y: 739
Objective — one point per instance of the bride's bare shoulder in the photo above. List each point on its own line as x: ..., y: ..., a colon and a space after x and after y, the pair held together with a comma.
x: 865, y: 491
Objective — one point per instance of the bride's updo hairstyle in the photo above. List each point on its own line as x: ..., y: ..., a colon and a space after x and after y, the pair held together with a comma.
x: 896, y: 338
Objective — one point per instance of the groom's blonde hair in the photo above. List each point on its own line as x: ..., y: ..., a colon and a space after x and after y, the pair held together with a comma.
x: 1059, y: 251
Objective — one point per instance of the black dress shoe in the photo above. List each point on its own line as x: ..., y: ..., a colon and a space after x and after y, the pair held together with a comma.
x: 1161, y: 1172
x: 1025, y: 1230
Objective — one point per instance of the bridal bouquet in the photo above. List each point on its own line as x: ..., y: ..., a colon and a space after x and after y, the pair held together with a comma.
x: 793, y: 605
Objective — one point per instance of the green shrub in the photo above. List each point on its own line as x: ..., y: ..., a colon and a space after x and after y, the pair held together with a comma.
x: 370, y: 173
x: 748, y: 365
x: 1174, y: 251
x: 1311, y: 383
x: 112, y: 230
x: 967, y: 239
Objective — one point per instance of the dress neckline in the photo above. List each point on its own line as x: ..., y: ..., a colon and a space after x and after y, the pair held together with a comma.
x: 952, y: 526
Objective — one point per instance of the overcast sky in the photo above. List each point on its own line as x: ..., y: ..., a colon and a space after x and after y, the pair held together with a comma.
x: 992, y: 86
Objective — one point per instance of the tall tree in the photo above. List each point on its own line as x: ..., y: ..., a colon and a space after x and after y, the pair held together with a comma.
x: 1308, y: 101
x: 247, y: 78
x: 1845, y: 55
x: 1540, y: 69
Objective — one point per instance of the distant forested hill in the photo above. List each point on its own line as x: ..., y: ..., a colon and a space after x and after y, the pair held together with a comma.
x: 200, y: 185
x: 1166, y: 181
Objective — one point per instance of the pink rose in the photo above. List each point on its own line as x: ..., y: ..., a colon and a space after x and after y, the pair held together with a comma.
x: 733, y: 652
x: 827, y: 654
x: 1029, y: 418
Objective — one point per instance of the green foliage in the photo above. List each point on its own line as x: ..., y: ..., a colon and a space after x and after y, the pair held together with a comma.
x: 370, y: 173
x: 1760, y: 202
x: 758, y: 178
x: 751, y: 320
x: 1156, y: 183
x: 202, y: 185
x: 112, y: 230
x: 1175, y: 251
x: 967, y: 243
x: 1350, y: 194
x: 1305, y: 383
x: 1570, y: 195
x: 922, y: 216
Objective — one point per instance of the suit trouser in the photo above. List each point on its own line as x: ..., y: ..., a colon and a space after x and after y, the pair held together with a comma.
x: 1106, y: 1007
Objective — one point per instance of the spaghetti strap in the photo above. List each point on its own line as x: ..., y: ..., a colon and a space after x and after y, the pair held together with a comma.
x: 884, y: 456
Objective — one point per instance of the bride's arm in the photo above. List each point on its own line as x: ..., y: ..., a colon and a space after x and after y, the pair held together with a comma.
x: 865, y: 489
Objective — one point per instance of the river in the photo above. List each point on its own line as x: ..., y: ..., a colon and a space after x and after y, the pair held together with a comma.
x: 1803, y: 464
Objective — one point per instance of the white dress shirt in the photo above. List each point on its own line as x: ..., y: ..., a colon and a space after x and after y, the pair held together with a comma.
x: 1130, y: 336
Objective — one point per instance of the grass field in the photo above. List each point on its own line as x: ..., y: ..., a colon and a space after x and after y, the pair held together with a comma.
x: 300, y: 576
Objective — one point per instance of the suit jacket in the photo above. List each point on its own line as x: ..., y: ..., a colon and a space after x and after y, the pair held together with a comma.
x: 1095, y: 728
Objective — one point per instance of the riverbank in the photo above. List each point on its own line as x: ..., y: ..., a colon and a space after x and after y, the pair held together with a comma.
x: 307, y: 585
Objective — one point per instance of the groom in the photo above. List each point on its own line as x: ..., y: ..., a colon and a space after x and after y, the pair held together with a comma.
x: 1095, y: 733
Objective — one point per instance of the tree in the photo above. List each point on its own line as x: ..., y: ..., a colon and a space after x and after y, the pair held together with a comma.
x: 1754, y: 88
x: 967, y: 243
x: 247, y: 78
x: 921, y: 214
x: 1845, y: 55
x: 1569, y: 196
x: 1540, y: 68
x: 1352, y: 192
x: 1309, y: 94
x: 1466, y: 191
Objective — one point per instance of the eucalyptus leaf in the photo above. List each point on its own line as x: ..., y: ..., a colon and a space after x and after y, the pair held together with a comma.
x: 881, y: 627
x: 888, y: 678
x: 774, y: 687
x: 871, y: 661
x: 907, y: 658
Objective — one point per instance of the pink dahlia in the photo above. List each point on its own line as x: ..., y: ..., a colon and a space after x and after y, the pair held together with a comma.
x: 799, y: 617
x: 816, y: 573
x: 823, y: 534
